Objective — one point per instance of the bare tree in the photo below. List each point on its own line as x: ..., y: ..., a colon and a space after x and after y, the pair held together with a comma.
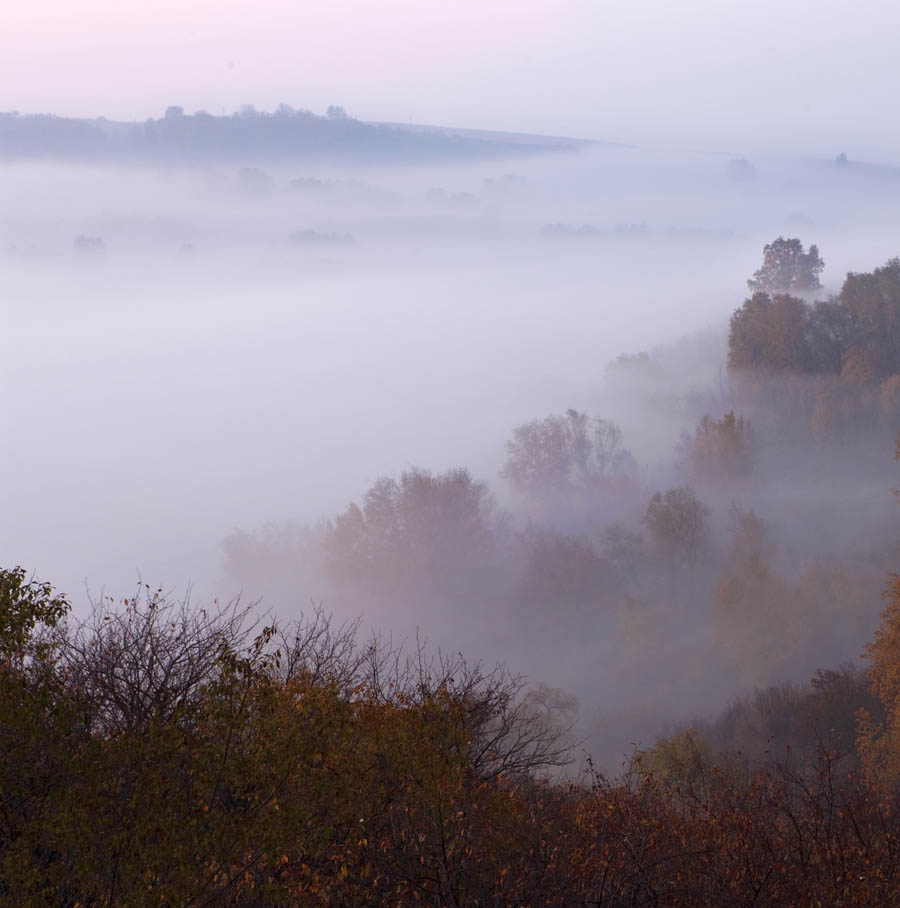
x: 150, y: 657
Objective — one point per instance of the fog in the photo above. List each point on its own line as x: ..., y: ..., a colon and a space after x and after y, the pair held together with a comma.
x: 198, y: 353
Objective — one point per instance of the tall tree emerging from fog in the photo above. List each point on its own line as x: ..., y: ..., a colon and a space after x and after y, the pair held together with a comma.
x: 565, y: 453
x: 787, y: 267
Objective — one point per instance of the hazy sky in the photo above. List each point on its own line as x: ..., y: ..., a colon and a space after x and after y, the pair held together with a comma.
x: 811, y: 76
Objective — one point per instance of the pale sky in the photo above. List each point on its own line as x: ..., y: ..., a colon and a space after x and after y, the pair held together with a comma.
x: 797, y: 76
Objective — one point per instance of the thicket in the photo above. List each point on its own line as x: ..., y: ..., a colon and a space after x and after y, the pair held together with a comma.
x: 159, y: 754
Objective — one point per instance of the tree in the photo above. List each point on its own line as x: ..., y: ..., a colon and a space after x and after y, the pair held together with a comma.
x: 680, y: 760
x: 565, y: 453
x: 676, y: 520
x: 721, y: 448
x: 772, y: 334
x: 563, y: 573
x: 415, y: 529
x: 27, y: 609
x: 787, y: 268
x: 871, y: 302
x: 879, y: 741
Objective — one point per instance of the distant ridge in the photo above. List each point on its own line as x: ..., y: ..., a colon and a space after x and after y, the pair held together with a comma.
x: 537, y: 140
x: 250, y: 135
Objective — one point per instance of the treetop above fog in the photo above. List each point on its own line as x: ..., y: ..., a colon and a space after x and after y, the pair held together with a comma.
x: 787, y: 267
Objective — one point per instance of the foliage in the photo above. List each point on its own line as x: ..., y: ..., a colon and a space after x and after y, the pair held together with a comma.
x: 160, y: 755
x: 879, y: 741
x: 26, y: 607
x: 773, y: 333
x: 872, y: 302
x: 678, y: 760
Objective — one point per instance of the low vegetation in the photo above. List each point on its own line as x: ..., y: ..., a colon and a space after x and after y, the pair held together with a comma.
x: 160, y: 754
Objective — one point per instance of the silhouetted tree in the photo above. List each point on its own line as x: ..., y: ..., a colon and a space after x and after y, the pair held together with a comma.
x: 677, y: 522
x: 879, y: 738
x: 418, y: 528
x: 565, y: 453
x: 787, y: 268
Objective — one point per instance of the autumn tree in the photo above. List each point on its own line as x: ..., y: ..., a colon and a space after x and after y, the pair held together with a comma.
x: 871, y: 302
x: 721, y: 448
x: 879, y: 741
x: 772, y: 333
x: 157, y: 755
x: 787, y: 268
x: 679, y: 760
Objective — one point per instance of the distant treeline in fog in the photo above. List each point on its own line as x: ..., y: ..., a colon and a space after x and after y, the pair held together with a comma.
x: 249, y: 134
